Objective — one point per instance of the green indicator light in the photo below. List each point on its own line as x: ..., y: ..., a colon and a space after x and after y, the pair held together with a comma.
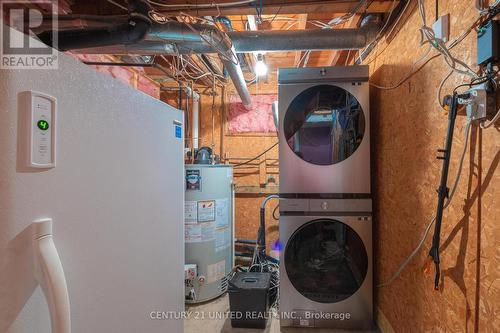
x: 43, y: 125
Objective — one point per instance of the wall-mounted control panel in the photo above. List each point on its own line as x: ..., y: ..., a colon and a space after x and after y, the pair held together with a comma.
x: 40, y: 114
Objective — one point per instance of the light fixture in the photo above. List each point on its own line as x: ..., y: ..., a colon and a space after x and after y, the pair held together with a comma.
x: 260, y: 66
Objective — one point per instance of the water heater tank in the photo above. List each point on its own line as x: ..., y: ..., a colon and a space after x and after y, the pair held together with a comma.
x: 208, y: 231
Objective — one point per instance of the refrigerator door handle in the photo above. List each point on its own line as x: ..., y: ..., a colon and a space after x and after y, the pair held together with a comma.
x: 50, y: 274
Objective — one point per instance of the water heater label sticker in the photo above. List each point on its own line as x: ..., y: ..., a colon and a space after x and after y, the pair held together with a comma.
x: 193, y: 180
x: 191, y: 212
x: 216, y: 271
x: 192, y: 233
x: 222, y: 239
x: 222, y: 212
x: 206, y: 211
x: 207, y: 231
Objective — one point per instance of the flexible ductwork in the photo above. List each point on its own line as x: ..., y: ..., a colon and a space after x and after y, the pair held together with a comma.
x: 121, y: 30
x: 302, y: 40
x: 175, y: 37
x: 138, y: 26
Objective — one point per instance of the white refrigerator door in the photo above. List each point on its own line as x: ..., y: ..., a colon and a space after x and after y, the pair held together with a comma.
x: 115, y: 198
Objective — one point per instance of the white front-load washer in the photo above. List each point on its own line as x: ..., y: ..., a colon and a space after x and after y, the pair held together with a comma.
x: 324, y: 132
x: 326, y: 265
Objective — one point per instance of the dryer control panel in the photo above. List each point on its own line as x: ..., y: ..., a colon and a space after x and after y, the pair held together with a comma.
x: 325, y: 205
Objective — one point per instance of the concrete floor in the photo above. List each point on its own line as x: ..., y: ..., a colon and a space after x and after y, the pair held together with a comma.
x: 221, y: 305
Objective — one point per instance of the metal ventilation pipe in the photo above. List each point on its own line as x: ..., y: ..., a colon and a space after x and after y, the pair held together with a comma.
x: 124, y: 35
x: 306, y: 40
x: 202, y: 36
x: 196, y: 117
x: 172, y: 37
x: 177, y: 38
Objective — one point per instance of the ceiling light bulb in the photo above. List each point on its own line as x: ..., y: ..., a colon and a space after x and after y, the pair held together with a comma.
x: 260, y: 66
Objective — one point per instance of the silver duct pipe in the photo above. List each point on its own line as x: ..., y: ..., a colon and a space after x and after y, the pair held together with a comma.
x: 302, y: 40
x: 125, y: 40
x: 177, y: 38
x: 172, y: 37
x: 307, y: 40
x: 203, y: 35
x: 236, y: 75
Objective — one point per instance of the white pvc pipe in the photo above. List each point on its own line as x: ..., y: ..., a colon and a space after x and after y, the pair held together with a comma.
x: 50, y: 274
x: 196, y: 117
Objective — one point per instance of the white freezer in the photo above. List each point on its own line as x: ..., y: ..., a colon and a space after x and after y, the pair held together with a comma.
x: 115, y: 197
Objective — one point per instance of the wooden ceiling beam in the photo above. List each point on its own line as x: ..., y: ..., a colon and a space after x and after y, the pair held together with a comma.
x: 335, y: 56
x: 301, y: 25
x: 271, y: 7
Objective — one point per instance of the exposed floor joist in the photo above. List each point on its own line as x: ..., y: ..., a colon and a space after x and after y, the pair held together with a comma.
x: 302, y: 21
x: 271, y: 7
x: 336, y: 56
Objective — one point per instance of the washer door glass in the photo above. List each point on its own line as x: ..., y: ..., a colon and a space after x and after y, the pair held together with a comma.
x: 326, y: 261
x: 324, y: 125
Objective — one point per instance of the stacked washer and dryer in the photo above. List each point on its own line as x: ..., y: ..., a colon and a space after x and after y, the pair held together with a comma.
x: 325, y: 198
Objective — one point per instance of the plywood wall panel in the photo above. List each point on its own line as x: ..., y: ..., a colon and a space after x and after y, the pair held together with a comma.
x: 408, y: 128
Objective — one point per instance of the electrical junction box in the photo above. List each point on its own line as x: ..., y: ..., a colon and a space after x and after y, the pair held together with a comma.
x: 190, y: 271
x: 488, y: 40
x: 441, y: 27
x: 38, y: 118
x: 476, y: 103
x: 480, y: 104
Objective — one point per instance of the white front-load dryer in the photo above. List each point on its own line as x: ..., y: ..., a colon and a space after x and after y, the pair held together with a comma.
x: 324, y: 131
x: 326, y: 264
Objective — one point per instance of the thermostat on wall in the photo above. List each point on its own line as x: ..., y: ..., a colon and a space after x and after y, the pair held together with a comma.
x: 40, y: 112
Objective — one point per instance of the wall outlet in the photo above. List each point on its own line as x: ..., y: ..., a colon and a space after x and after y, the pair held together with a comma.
x: 442, y: 28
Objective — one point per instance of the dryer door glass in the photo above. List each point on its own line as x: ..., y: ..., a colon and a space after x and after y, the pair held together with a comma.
x: 326, y: 261
x: 324, y: 125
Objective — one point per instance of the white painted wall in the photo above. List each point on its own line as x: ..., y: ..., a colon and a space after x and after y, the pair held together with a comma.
x: 116, y: 198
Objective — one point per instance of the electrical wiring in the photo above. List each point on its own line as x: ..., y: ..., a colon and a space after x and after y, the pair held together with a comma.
x: 306, y: 59
x: 336, y: 21
x: 204, y: 5
x: 440, y: 45
x: 488, y: 123
x: 480, y: 80
x: 196, y: 67
x: 440, y: 88
x: 332, y: 23
x: 412, y: 71
x: 256, y: 157
x: 377, y: 54
x: 428, y: 227
x: 379, y: 34
x: 452, y: 44
x: 225, y: 53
